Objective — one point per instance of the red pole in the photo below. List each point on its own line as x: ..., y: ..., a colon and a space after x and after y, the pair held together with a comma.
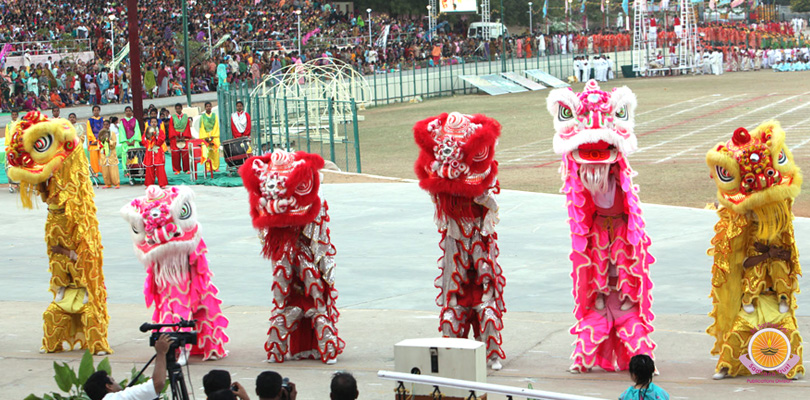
x: 135, y: 61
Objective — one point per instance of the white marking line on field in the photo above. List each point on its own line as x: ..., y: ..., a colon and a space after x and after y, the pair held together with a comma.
x: 676, y: 104
x: 803, y: 142
x: 703, y: 144
x: 709, y: 126
x: 524, y: 145
x: 690, y: 109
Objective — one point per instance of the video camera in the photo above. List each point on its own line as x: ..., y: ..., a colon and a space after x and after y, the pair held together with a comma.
x: 180, y: 338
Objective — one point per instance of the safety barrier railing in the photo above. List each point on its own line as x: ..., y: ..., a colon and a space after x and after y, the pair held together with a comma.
x: 438, y: 382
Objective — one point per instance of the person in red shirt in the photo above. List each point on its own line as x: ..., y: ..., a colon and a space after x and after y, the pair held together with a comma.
x: 154, y: 159
x: 179, y: 133
x: 240, y: 121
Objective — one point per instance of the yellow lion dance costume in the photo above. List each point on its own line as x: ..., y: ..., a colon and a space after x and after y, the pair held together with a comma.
x: 46, y: 157
x: 756, y: 265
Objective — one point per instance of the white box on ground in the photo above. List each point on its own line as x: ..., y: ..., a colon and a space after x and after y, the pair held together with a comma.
x: 443, y: 357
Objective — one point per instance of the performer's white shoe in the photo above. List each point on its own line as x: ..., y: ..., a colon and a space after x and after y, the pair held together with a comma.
x: 101, y: 353
x: 723, y: 373
x: 783, y: 307
x: 577, y: 369
x: 331, y: 361
x: 628, y: 304
x: 600, y: 302
x: 749, y: 308
x: 496, y: 365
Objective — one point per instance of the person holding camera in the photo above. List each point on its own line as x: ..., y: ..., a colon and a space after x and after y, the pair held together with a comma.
x: 217, y: 385
x: 270, y: 386
x: 101, y: 386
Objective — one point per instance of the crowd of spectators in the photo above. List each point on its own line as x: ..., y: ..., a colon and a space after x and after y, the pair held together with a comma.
x: 255, y: 38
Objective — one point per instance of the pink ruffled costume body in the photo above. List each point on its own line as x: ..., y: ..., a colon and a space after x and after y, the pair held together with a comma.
x: 195, y: 298
x: 610, y: 257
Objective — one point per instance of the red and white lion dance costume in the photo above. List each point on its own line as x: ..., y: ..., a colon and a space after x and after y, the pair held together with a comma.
x: 286, y: 207
x: 457, y: 166
x: 612, y: 286
x: 168, y: 242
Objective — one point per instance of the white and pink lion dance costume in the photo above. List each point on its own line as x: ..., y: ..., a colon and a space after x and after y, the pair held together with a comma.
x: 457, y: 166
x: 286, y: 207
x: 168, y: 242
x: 612, y: 286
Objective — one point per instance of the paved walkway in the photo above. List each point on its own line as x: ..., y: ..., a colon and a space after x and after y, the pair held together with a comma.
x: 387, y: 248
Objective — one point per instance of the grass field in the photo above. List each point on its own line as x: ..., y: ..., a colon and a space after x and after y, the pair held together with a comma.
x: 677, y: 120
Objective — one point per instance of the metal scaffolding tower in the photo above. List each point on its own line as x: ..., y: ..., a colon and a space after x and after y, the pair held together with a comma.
x: 485, y: 18
x: 433, y: 11
x: 645, y: 43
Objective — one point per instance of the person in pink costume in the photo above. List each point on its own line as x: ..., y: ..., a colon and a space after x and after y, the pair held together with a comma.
x: 612, y: 286
x: 167, y: 240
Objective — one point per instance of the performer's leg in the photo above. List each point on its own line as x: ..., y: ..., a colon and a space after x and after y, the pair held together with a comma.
x: 591, y: 332
x: 105, y: 174
x: 184, y: 159
x: 57, y: 327
x: 176, y: 161
x: 94, y: 161
x: 115, y: 178
x: 490, y: 325
x: 454, y: 321
x: 783, y: 285
x: 278, y: 336
x: 329, y: 344
x: 754, y: 282
x: 163, y: 181
x: 94, y: 326
x: 211, y: 325
x: 149, y: 179
x: 213, y: 155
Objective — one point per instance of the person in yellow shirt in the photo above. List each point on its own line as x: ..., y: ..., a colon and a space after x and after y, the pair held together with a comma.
x: 209, y: 131
x: 94, y: 125
x: 9, y: 132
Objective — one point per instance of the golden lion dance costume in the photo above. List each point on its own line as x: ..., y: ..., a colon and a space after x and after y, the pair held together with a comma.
x: 46, y: 157
x: 457, y: 166
x: 755, y: 275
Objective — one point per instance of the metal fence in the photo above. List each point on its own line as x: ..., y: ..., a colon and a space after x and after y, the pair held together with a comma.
x: 419, y: 79
x: 322, y: 126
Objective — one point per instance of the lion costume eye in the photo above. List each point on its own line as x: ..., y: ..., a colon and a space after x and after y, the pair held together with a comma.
x: 43, y: 144
x: 622, y: 113
x: 565, y: 113
x: 185, y: 212
x: 722, y: 174
x: 134, y: 229
x: 782, y: 159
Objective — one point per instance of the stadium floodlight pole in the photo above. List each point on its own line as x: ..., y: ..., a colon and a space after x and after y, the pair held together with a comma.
x: 135, y: 61
x: 298, y: 14
x: 531, y: 28
x: 503, y: 40
x: 112, y: 35
x: 430, y: 22
x: 370, y: 40
x: 185, y: 50
x: 208, y: 17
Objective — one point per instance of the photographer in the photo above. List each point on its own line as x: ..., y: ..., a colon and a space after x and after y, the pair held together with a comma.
x: 270, y: 386
x: 101, y: 386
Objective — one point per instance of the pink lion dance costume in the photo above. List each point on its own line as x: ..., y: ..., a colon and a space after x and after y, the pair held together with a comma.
x: 286, y: 207
x: 612, y: 286
x: 457, y: 166
x: 167, y: 241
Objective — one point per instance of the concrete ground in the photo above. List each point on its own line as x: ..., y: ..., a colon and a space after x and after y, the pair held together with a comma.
x: 387, y: 248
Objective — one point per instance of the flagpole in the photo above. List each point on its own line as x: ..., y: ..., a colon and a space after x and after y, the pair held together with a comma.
x: 135, y: 62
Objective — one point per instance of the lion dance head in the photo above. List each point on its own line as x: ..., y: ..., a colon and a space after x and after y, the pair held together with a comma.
x: 754, y: 172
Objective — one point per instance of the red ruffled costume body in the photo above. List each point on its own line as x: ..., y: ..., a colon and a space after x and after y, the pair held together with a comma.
x: 456, y: 165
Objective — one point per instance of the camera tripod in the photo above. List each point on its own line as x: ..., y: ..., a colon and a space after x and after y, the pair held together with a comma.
x: 177, y: 380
